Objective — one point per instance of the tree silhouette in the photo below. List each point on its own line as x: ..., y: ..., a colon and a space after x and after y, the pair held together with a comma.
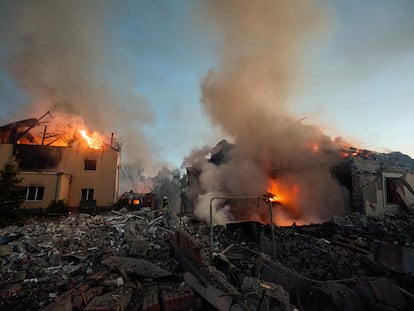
x: 11, y: 193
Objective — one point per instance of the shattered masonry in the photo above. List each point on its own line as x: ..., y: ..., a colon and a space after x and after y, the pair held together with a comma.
x: 140, y: 261
x: 90, y: 263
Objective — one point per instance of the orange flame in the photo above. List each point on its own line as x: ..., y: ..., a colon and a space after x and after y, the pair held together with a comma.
x: 287, y: 197
x: 92, y: 142
x: 353, y: 152
x: 273, y: 191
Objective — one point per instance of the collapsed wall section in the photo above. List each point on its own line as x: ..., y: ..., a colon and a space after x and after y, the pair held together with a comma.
x: 381, y: 183
x: 364, y: 173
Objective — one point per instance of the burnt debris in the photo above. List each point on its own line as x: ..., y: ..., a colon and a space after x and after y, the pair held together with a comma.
x: 155, y: 260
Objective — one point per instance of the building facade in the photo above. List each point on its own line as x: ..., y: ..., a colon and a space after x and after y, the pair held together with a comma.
x: 74, y: 172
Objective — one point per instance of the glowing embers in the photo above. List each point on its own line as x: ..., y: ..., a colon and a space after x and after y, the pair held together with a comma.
x: 353, y: 152
x: 273, y: 198
x: 315, y: 147
x: 92, y: 140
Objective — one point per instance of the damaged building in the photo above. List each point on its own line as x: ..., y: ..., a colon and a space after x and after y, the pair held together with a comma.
x: 352, y: 180
x: 148, y: 259
x: 79, y: 169
x: 378, y: 183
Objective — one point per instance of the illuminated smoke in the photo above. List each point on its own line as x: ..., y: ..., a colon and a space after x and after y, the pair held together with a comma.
x: 248, y: 95
x: 62, y: 54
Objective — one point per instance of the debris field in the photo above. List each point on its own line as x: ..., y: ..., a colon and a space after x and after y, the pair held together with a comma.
x: 153, y: 260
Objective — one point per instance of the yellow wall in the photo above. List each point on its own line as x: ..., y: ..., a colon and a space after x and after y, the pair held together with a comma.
x: 52, y: 183
x: 104, y: 180
x: 65, y: 181
x: 6, y: 152
x: 69, y: 177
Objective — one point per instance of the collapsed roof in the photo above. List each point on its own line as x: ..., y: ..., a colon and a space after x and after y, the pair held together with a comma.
x: 21, y: 132
x: 12, y: 133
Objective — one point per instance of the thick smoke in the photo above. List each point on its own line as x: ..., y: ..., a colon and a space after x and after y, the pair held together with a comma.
x: 62, y: 55
x: 249, y: 95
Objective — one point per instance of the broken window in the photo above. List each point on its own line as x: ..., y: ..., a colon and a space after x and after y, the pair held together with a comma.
x: 34, y: 193
x: 87, y: 194
x: 90, y: 165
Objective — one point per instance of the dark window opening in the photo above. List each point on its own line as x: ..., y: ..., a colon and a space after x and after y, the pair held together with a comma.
x: 90, y: 165
x: 87, y: 194
x: 34, y: 193
x: 343, y: 173
x: 392, y: 187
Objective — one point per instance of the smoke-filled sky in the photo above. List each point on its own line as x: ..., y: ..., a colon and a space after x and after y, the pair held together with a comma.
x: 169, y: 76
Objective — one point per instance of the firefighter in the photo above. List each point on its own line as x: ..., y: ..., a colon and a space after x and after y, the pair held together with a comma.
x: 164, y: 203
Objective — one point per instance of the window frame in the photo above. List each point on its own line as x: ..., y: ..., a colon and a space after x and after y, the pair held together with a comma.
x: 89, y: 192
x: 39, y: 192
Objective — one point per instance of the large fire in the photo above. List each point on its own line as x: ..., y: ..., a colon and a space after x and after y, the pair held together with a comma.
x: 61, y: 131
x: 92, y: 140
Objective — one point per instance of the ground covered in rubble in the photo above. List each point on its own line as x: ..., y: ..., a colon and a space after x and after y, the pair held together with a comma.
x: 351, y: 263
x: 153, y: 260
x: 111, y: 262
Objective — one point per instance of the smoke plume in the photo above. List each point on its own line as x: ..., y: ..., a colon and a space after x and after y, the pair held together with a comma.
x: 248, y: 95
x: 61, y: 53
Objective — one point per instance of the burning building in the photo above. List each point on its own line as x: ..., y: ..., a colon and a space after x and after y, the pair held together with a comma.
x: 252, y: 96
x: 71, y: 165
x: 331, y: 182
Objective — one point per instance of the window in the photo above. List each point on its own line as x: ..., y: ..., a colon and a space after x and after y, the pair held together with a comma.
x: 394, y: 187
x: 87, y: 194
x: 34, y: 193
x: 90, y: 165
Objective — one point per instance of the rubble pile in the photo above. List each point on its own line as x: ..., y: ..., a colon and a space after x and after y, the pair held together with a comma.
x: 345, y: 248
x: 155, y: 260
x: 394, y: 229
x: 85, y: 262
x: 353, y: 263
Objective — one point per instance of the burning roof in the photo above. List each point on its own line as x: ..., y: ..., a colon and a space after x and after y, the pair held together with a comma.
x: 51, y: 133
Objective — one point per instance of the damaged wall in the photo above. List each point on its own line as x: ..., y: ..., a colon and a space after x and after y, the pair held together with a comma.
x: 382, y: 183
x: 409, y: 177
x: 66, y: 173
x: 37, y: 157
